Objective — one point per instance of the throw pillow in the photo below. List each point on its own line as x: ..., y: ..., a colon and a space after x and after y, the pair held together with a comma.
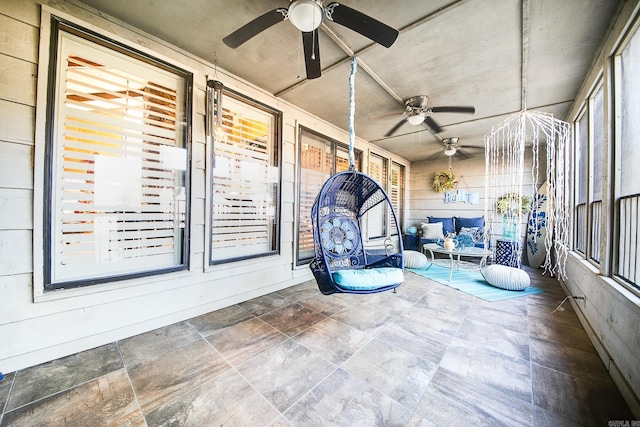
x: 432, y: 231
x: 468, y: 236
x: 447, y: 224
x: 481, y: 234
x: 468, y: 230
x: 469, y: 222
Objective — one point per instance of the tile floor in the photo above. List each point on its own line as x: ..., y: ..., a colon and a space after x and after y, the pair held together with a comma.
x: 427, y: 355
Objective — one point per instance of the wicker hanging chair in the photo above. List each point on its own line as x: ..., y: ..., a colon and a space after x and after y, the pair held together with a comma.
x: 342, y: 263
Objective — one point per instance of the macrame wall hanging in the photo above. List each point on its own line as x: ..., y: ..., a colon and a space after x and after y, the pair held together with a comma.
x: 547, y: 226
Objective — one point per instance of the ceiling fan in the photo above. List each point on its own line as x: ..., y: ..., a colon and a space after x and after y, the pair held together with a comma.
x: 417, y: 112
x: 307, y: 15
x: 452, y: 148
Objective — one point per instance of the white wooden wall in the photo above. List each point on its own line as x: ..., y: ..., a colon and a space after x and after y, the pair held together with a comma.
x: 37, y: 326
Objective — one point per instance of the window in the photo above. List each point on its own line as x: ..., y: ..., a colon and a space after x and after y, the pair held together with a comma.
x: 245, y: 181
x: 627, y: 158
x: 391, y: 179
x: 580, y: 190
x: 377, y: 216
x: 589, y: 155
x: 596, y: 171
x: 116, y: 188
x: 319, y: 158
x: 396, y: 193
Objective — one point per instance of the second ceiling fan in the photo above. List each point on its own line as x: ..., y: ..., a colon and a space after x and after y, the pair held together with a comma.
x: 307, y: 16
x: 418, y: 112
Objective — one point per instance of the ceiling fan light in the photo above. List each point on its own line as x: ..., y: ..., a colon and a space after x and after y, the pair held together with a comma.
x: 416, y: 119
x: 306, y: 15
x: 449, y: 151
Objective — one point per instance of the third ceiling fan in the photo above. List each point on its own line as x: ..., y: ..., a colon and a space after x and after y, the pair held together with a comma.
x: 451, y: 148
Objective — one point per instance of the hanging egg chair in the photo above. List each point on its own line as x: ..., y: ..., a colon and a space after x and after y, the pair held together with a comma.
x: 342, y: 263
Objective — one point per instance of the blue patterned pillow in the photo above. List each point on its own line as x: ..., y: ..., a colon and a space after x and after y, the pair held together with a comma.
x: 469, y: 223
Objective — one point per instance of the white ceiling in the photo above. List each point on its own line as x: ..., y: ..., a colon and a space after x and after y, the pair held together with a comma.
x: 465, y: 52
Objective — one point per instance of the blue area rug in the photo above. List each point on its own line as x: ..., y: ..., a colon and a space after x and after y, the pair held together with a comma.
x: 472, y: 283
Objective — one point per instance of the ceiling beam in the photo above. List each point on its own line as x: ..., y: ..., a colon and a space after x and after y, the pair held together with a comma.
x: 350, y: 53
x: 524, y: 66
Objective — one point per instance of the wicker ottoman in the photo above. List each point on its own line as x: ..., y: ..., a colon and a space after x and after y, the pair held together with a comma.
x: 504, y: 277
x: 415, y: 259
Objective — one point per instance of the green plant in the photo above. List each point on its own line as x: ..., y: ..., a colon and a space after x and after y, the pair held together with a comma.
x: 444, y: 180
x: 513, y: 203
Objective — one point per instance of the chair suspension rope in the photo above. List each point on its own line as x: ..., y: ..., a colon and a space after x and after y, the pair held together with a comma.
x: 352, y: 112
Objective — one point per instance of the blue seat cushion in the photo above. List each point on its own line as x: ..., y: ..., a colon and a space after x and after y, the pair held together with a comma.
x: 469, y: 223
x: 368, y: 279
x: 447, y: 224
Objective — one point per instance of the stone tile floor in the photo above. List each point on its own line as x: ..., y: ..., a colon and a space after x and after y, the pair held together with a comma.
x: 426, y: 355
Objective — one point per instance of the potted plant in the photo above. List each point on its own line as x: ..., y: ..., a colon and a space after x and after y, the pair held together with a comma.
x: 512, y: 205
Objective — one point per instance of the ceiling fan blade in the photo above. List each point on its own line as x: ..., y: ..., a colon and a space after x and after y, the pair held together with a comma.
x: 438, y: 155
x: 395, y: 128
x: 462, y: 154
x: 468, y: 148
x: 432, y: 124
x: 254, y: 27
x: 311, y: 54
x: 359, y: 22
x: 469, y: 110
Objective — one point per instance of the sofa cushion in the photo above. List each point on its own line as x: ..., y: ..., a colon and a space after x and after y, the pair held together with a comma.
x: 468, y: 223
x: 432, y: 230
x: 447, y: 224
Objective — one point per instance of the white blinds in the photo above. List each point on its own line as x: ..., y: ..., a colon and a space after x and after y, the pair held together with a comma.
x: 316, y: 163
x: 118, y: 196
x: 320, y: 158
x: 396, y: 192
x: 377, y: 216
x: 245, y: 182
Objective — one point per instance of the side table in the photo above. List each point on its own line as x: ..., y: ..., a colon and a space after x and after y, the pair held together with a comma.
x: 507, y: 253
x: 411, y: 242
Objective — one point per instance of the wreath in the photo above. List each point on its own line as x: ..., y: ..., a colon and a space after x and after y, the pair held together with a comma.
x: 513, y: 204
x: 444, y: 180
